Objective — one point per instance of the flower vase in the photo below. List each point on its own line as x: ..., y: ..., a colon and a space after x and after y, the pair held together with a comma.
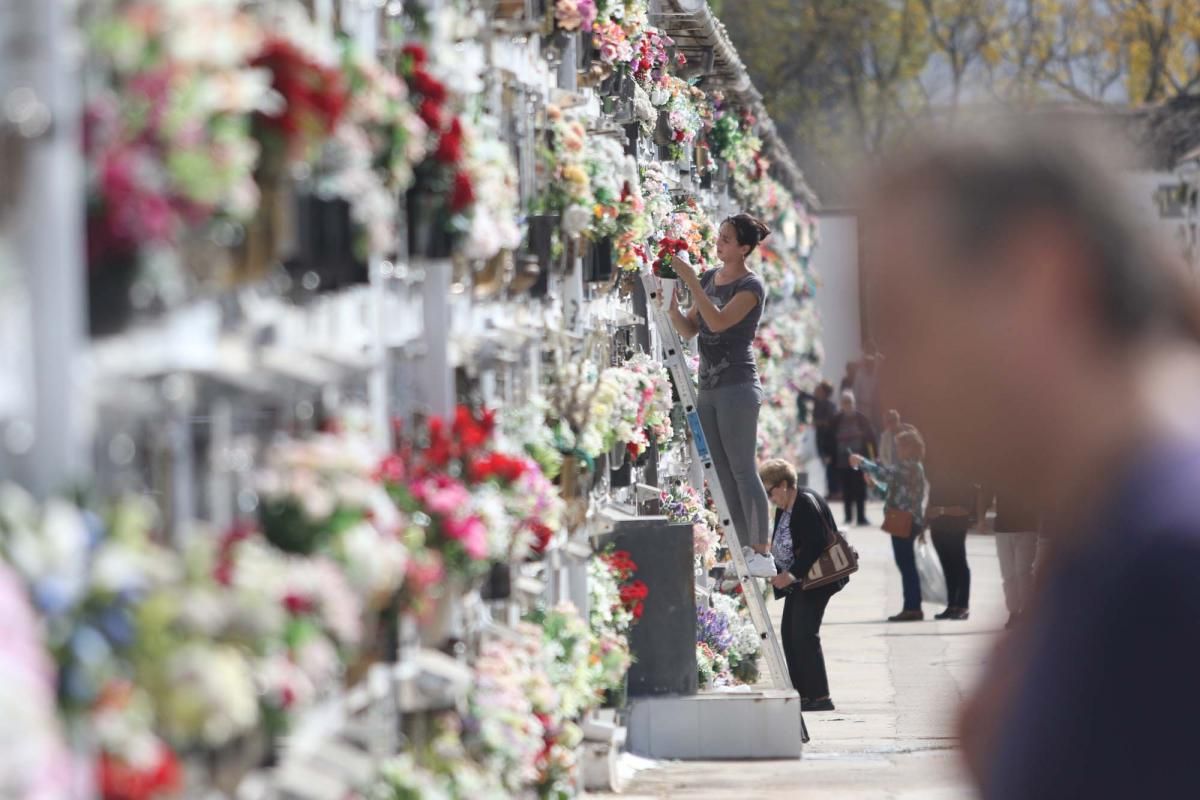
x: 617, y: 698
x: 285, y: 524
x: 633, y: 135
x: 429, y: 234
x: 568, y: 478
x: 621, y: 475
x: 443, y: 618
x: 664, y: 135
x: 492, y: 275
x: 669, y: 286
x: 262, y: 236
x: 110, y: 302
x: 527, y: 277
x: 685, y: 159
x: 704, y: 166
x: 618, y: 85
x: 599, y: 261
x: 585, y: 52
x: 542, y: 231
x: 643, y: 459
x: 325, y: 245
x: 574, y: 248
x: 498, y: 585
x: 558, y: 44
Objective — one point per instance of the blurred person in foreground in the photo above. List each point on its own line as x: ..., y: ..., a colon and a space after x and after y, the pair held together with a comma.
x: 1005, y: 260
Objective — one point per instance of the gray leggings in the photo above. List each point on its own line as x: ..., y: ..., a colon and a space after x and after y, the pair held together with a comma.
x: 729, y: 415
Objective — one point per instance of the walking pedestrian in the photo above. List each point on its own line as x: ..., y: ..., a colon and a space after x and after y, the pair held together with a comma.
x: 854, y: 435
x: 728, y: 303
x: 802, y: 529
x: 847, y: 384
x: 906, y: 492
x: 824, y: 412
x: 950, y: 513
x: 1016, y: 533
x: 1005, y: 259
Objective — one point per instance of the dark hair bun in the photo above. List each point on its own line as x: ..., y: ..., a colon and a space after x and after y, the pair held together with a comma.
x: 750, y: 230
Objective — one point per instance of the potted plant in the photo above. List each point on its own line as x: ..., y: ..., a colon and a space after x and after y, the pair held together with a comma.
x: 599, y: 262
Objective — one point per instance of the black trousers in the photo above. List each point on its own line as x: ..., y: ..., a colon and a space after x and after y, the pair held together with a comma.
x: 801, y: 633
x: 831, y: 479
x: 951, y: 546
x: 854, y: 493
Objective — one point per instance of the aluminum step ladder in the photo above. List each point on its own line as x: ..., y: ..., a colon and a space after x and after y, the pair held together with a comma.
x: 673, y: 359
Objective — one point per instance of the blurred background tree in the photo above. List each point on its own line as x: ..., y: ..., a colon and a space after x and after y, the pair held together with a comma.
x: 845, y: 78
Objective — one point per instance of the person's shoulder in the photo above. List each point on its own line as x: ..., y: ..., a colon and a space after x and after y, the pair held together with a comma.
x: 752, y: 282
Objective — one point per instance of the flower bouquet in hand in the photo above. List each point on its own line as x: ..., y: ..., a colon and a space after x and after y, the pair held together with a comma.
x: 668, y: 248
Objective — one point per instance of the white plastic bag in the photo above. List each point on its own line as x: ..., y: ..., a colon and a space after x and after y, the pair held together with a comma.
x: 933, y: 580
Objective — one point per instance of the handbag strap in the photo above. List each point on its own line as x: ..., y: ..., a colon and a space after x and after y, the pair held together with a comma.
x: 823, y: 512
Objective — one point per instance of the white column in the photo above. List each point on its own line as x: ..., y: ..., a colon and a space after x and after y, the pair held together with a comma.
x: 41, y: 111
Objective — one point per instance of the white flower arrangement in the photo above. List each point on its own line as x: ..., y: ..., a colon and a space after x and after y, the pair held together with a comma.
x: 494, y: 214
x: 510, y: 733
x: 213, y: 698
x: 374, y: 560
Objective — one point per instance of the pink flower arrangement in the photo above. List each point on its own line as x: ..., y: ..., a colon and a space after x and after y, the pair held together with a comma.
x: 612, y: 42
x: 649, y: 58
x: 575, y: 15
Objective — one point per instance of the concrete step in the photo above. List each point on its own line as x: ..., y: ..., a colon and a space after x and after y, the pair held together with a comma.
x: 759, y: 724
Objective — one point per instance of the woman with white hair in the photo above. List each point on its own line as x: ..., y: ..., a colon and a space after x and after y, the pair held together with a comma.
x: 855, y: 436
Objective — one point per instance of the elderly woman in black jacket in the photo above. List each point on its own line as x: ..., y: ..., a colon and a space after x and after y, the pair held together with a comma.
x: 802, y: 524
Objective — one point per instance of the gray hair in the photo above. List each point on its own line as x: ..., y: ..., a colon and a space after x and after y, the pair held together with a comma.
x: 849, y: 395
x: 988, y: 182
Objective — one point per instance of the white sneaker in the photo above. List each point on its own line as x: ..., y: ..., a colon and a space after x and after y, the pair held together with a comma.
x: 759, y: 564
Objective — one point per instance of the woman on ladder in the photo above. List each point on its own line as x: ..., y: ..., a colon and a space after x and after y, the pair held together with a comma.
x: 727, y: 305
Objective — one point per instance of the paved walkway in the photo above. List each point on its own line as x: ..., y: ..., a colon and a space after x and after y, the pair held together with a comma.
x: 896, y: 687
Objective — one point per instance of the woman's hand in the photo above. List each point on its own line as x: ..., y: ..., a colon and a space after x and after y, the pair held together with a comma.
x: 783, y: 580
x: 856, y: 460
x: 685, y: 271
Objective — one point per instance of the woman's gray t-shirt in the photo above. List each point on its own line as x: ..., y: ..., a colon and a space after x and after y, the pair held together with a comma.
x: 727, y: 358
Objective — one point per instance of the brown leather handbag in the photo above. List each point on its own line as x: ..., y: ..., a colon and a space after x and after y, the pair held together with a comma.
x: 897, y: 522
x: 839, y: 560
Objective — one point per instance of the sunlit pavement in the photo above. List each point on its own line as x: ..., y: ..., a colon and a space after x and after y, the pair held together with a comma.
x: 897, y: 687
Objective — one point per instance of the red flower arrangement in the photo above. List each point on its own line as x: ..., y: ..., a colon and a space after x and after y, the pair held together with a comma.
x: 315, y: 96
x: 121, y: 781
x: 436, y: 473
x: 443, y: 172
x: 226, y: 550
x: 542, y: 535
x: 668, y: 248
x: 633, y: 592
